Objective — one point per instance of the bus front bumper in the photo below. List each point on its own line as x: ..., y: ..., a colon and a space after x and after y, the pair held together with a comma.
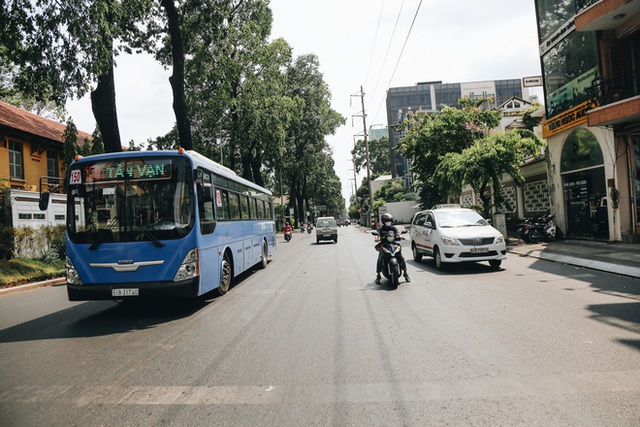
x: 130, y: 291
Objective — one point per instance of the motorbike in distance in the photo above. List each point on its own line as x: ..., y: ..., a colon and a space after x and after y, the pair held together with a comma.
x: 309, y: 228
x: 533, y: 230
x: 288, y: 229
x: 389, y: 244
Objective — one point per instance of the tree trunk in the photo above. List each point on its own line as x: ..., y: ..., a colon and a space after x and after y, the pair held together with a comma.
x: 177, y: 79
x: 103, y: 105
x: 256, y: 165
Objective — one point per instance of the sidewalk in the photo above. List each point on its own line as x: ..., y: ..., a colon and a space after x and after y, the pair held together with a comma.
x: 29, y: 286
x: 617, y: 258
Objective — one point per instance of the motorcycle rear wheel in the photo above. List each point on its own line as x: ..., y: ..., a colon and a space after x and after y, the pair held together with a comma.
x: 534, y: 237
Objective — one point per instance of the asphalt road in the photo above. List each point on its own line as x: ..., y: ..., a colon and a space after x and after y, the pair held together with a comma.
x: 311, y: 340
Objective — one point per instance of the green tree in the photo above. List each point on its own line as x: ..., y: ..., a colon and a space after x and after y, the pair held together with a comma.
x: 70, y: 148
x: 308, y: 128
x: 378, y: 155
x: 482, y: 165
x: 392, y: 190
x: 61, y: 49
x: 429, y: 136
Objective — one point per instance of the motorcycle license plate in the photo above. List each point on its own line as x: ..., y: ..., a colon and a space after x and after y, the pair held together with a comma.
x: 127, y: 292
x: 479, y: 250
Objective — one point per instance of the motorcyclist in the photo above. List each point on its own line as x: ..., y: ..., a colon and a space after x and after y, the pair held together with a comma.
x: 288, y: 227
x: 383, y: 230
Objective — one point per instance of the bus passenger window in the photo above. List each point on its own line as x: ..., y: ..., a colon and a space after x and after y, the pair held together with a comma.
x: 234, y: 205
x: 261, y: 209
x: 254, y: 208
x: 245, y: 206
x: 223, y: 208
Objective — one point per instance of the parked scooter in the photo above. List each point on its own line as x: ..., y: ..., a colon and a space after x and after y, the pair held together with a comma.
x: 389, y: 244
x: 533, y: 230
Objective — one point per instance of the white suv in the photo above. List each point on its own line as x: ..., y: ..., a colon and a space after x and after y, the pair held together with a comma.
x: 454, y: 235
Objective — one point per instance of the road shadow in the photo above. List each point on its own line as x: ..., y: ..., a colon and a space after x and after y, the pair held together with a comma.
x: 103, y: 318
x: 428, y: 264
x: 624, y: 314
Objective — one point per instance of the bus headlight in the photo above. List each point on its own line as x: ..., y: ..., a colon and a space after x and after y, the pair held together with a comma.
x: 190, y: 266
x: 73, y: 277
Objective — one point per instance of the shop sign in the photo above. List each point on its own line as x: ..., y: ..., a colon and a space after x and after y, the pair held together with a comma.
x: 532, y: 81
x: 570, y: 118
x: 557, y: 36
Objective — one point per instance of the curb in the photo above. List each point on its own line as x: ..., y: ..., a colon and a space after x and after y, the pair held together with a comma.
x: 607, y: 267
x: 29, y: 286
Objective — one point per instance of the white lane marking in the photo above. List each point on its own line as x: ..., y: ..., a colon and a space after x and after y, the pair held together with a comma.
x: 596, y: 382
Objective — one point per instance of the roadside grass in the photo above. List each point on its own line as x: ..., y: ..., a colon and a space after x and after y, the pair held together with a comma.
x: 18, y: 271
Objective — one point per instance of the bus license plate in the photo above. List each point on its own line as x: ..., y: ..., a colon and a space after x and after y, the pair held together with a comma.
x: 126, y: 292
x: 479, y: 250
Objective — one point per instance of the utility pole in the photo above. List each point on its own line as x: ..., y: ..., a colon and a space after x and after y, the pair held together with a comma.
x: 366, y: 146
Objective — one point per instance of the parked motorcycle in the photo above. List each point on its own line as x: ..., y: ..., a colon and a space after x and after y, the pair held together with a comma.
x: 389, y: 244
x: 533, y: 230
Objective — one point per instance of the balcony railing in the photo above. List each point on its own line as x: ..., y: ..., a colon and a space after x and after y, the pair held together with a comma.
x: 583, y: 4
x: 608, y: 91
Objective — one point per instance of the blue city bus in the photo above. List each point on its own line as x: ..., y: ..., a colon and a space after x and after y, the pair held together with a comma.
x: 161, y: 224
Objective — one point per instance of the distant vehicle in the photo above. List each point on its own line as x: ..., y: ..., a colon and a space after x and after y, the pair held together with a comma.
x: 455, y: 235
x: 326, y: 229
x: 343, y: 222
x: 146, y: 224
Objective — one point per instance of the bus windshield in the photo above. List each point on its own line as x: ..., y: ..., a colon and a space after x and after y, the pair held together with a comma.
x: 130, y: 199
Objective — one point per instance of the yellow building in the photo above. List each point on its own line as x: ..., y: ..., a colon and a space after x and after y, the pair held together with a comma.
x: 30, y: 147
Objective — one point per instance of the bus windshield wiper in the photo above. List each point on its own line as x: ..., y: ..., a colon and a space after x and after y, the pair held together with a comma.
x: 150, y: 235
x: 102, y: 233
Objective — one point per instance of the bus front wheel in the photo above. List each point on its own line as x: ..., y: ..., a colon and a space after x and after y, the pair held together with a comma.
x: 227, y: 273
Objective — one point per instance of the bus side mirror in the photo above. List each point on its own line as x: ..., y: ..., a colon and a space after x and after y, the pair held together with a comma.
x: 43, y: 203
x: 205, y: 192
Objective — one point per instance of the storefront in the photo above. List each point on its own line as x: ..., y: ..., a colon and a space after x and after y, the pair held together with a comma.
x: 584, y: 186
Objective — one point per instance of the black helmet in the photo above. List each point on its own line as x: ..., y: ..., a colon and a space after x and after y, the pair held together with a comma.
x: 387, y: 217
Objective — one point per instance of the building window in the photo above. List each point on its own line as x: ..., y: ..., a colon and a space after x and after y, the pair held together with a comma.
x: 52, y: 164
x: 16, y: 169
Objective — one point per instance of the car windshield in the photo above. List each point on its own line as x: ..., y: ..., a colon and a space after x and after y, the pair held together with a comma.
x: 459, y: 218
x: 325, y: 222
x: 124, y: 200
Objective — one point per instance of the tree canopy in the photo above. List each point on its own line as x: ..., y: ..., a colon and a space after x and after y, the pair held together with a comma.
x: 458, y: 146
x: 378, y: 156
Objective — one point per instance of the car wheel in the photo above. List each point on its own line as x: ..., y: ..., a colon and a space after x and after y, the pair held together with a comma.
x: 495, y: 263
x: 438, y: 258
x: 317, y: 241
x: 416, y: 255
x: 226, y: 275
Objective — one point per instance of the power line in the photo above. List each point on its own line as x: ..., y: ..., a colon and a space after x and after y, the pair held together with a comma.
x: 400, y: 56
x: 388, y: 47
x: 373, y: 48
